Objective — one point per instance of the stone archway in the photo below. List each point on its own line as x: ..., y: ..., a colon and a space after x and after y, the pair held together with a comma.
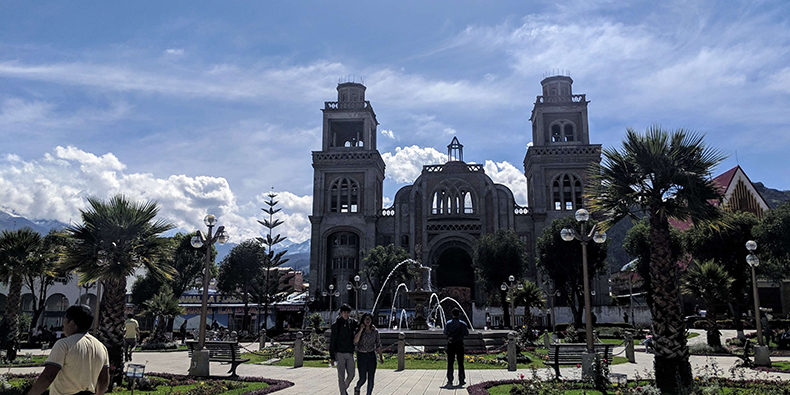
x: 455, y: 275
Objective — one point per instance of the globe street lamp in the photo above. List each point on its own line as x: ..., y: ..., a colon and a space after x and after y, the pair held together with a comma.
x: 762, y: 354
x: 356, y: 286
x: 199, y: 366
x: 509, y: 288
x: 332, y: 293
x: 569, y: 234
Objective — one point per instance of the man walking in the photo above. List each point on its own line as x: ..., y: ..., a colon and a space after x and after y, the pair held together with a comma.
x: 78, y: 363
x: 341, y: 348
x: 455, y: 330
x: 132, y: 335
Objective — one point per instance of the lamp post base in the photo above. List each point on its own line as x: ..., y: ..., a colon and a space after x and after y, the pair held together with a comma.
x: 199, y: 365
x: 588, y: 360
x: 762, y: 356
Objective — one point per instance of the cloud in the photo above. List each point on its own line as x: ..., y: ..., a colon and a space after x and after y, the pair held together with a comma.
x: 55, y: 187
x: 174, y: 52
x: 388, y: 133
x: 405, y: 164
x: 508, y: 175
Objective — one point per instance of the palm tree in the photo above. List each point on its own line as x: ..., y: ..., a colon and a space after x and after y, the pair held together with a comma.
x: 17, y: 249
x: 529, y: 296
x: 665, y: 174
x: 164, y: 307
x: 711, y: 283
x: 115, y: 238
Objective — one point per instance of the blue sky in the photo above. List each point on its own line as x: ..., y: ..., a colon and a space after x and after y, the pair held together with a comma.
x: 205, y: 106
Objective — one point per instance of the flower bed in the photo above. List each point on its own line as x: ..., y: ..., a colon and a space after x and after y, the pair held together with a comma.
x: 166, y: 383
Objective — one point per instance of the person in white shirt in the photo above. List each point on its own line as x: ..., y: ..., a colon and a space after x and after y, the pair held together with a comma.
x: 78, y: 363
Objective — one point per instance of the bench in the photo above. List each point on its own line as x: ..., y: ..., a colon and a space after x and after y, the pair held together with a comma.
x: 571, y: 354
x: 219, y: 351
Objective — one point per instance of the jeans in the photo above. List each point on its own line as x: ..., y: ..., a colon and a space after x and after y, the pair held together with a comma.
x: 345, y: 370
x: 366, y: 363
x: 128, y: 347
x: 455, y: 351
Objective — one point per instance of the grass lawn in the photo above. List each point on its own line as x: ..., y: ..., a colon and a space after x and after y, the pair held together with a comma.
x: 391, y: 362
x: 20, y: 361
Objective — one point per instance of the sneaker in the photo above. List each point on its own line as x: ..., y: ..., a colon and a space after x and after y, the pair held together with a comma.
x: 449, y: 384
x: 461, y: 383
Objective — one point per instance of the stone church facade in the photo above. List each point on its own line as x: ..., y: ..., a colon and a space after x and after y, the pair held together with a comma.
x: 441, y: 216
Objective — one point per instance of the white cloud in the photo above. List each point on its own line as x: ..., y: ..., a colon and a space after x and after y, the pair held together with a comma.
x: 405, y: 165
x: 388, y: 133
x: 174, y: 51
x: 449, y: 132
x: 508, y: 175
x: 55, y: 187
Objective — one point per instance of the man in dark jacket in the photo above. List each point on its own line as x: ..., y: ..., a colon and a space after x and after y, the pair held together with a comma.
x: 341, y: 348
x: 455, y: 330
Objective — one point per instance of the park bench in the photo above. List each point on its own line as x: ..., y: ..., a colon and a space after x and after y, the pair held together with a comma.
x: 219, y: 351
x: 571, y: 354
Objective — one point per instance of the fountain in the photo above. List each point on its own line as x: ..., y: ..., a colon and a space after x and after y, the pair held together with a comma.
x: 420, y: 295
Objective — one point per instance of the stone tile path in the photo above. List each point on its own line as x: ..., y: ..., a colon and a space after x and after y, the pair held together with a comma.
x: 412, y: 382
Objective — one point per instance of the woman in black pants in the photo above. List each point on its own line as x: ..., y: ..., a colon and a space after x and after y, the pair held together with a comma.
x: 368, y: 343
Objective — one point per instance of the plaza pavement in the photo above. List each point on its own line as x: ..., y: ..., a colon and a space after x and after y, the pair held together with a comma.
x: 412, y: 382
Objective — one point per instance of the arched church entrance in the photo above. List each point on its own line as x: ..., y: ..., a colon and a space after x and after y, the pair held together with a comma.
x: 455, y: 276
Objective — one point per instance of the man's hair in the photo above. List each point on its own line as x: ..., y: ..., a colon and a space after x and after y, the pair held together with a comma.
x: 81, y: 315
x: 456, y: 313
x: 130, y: 315
x: 345, y: 307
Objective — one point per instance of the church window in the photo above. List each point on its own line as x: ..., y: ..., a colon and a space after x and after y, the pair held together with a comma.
x: 556, y: 136
x: 568, y: 132
x: 344, y: 196
x: 566, y: 193
x: 563, y: 130
x: 344, y: 250
x: 404, y: 241
x: 468, y: 208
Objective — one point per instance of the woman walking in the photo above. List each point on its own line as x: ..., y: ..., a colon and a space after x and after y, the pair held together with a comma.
x: 368, y: 343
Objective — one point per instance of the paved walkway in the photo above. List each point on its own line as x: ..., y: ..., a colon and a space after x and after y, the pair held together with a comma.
x: 421, y: 382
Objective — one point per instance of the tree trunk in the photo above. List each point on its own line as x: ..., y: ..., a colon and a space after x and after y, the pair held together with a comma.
x: 672, y: 367
x: 577, y: 310
x: 713, y: 334
x: 111, y: 324
x: 12, y: 312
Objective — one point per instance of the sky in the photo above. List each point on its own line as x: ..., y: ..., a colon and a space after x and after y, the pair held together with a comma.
x: 206, y: 107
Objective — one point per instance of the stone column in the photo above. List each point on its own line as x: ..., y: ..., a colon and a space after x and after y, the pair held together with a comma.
x: 629, y: 347
x: 546, y: 339
x: 511, y: 352
x: 401, y: 351
x: 298, y: 350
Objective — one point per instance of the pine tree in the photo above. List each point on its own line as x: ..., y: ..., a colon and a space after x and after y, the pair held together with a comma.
x: 267, y: 289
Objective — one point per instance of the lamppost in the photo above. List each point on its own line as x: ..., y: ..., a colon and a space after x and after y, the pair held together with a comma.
x: 762, y: 354
x: 509, y: 288
x: 356, y: 286
x: 199, y: 366
x: 569, y: 234
x: 332, y: 293
x: 550, y: 295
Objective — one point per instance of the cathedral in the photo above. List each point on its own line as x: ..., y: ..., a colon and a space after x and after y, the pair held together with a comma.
x: 440, y: 217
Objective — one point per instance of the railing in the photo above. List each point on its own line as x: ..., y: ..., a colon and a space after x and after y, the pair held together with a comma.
x: 439, y: 168
x: 346, y: 105
x: 562, y: 99
x: 388, y: 212
x: 519, y: 210
x: 349, y: 155
x: 475, y: 168
x: 566, y: 150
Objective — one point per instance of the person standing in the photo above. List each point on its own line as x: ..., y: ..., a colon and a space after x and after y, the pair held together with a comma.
x: 131, y: 337
x: 368, y: 342
x: 183, y: 331
x: 341, y: 348
x: 455, y: 330
x: 78, y: 363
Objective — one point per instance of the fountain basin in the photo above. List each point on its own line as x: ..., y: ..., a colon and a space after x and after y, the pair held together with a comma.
x: 435, y: 340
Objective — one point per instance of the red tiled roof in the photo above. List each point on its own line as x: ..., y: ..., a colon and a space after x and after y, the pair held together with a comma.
x: 723, y: 180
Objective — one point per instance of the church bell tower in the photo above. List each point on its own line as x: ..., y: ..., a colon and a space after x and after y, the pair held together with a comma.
x: 347, y: 192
